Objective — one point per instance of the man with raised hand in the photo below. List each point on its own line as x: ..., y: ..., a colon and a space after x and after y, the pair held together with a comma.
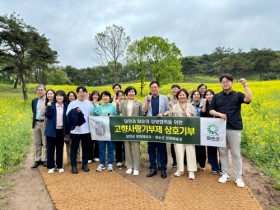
x: 227, y: 105
x: 156, y: 104
x: 38, y: 126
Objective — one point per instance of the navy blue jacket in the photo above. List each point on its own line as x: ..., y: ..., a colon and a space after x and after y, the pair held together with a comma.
x: 51, y: 122
x: 75, y: 118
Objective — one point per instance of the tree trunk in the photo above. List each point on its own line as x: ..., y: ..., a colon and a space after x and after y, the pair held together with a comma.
x: 24, y: 91
x: 142, y: 84
x: 16, y: 83
x: 23, y: 86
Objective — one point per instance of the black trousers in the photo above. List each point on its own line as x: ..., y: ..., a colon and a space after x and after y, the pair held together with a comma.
x: 173, y: 154
x: 119, y: 149
x: 200, y: 155
x: 55, y: 145
x: 76, y: 138
x: 93, y: 151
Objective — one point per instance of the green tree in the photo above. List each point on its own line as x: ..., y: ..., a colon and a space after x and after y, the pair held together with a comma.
x: 137, y: 56
x: 101, y: 73
x: 239, y: 64
x: 190, y: 65
x: 164, y: 58
x: 262, y: 60
x: 110, y: 48
x: 24, y: 48
x: 56, y: 76
x: 220, y: 59
x: 72, y: 73
x: 156, y: 57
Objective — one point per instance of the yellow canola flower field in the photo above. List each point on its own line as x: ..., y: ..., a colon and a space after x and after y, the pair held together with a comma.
x: 260, y: 136
x: 15, y: 131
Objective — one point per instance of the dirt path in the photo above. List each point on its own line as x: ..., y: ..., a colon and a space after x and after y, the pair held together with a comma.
x: 29, y: 191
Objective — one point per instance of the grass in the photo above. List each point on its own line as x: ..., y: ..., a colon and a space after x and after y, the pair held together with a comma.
x: 197, y: 78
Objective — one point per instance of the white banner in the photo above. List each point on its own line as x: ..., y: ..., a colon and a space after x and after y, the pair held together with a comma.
x: 213, y: 132
x: 199, y: 131
x: 100, y: 128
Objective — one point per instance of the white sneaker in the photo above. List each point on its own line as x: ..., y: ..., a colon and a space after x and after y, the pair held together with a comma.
x: 89, y: 161
x: 191, y: 175
x: 178, y: 173
x: 96, y: 159
x: 239, y: 182
x: 201, y: 169
x: 135, y: 173
x: 119, y: 164
x: 61, y: 170
x: 224, y: 178
x: 51, y: 171
x: 100, y: 167
x: 110, y: 167
x: 129, y: 171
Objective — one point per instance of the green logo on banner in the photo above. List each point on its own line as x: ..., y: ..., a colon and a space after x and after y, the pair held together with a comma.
x: 213, y: 129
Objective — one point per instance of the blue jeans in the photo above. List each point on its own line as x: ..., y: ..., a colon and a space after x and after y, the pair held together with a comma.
x: 153, y: 148
x: 102, y: 151
x: 213, y: 158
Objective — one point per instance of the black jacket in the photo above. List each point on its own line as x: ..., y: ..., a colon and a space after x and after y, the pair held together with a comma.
x: 75, y: 118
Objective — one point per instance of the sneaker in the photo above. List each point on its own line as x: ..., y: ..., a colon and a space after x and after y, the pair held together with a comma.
x: 119, y: 164
x: 178, y: 173
x: 135, y: 173
x: 129, y: 171
x: 89, y: 161
x: 61, y: 170
x: 174, y: 165
x: 201, y: 169
x: 191, y: 175
x: 239, y: 182
x: 96, y: 159
x: 225, y: 178
x: 100, y: 167
x: 110, y: 167
x: 51, y: 171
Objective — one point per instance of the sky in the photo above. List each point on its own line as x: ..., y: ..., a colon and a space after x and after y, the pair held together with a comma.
x: 197, y: 27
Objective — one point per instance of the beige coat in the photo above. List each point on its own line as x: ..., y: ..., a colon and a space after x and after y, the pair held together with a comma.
x: 180, y: 149
x: 137, y: 109
x: 132, y: 157
x: 178, y: 112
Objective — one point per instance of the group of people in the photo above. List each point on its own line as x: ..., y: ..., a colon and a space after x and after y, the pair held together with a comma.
x: 59, y: 118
